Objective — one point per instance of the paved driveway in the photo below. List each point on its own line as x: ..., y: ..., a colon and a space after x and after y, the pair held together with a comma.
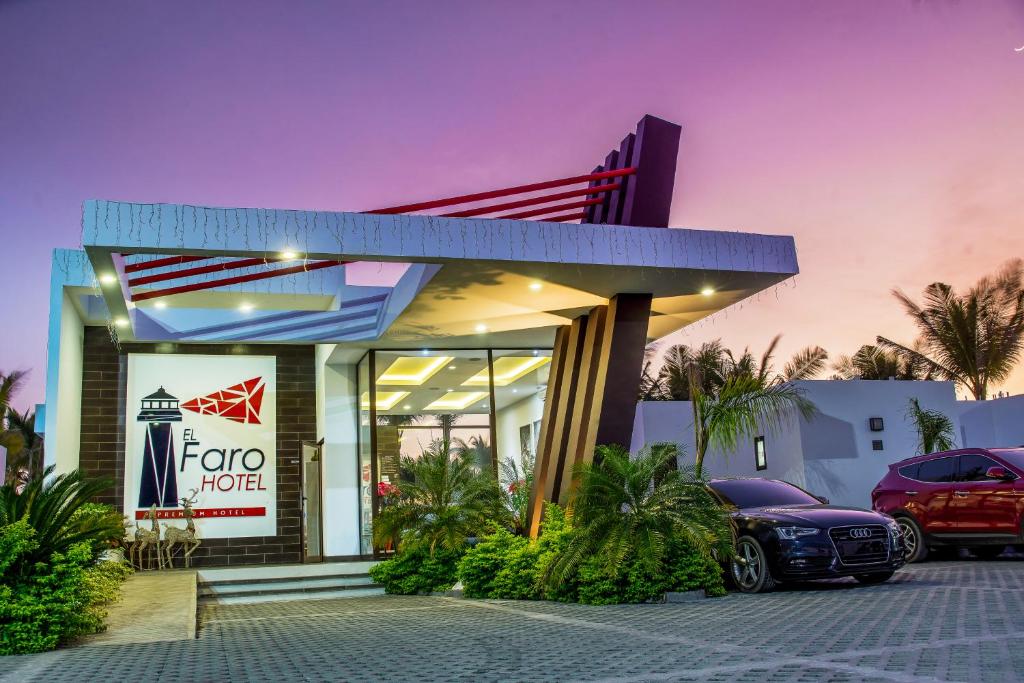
x: 959, y: 621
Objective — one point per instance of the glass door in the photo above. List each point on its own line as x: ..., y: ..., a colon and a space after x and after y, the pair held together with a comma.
x: 312, y: 502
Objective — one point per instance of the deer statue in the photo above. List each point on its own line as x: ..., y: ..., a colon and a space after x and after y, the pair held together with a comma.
x: 185, y: 537
x: 144, y: 539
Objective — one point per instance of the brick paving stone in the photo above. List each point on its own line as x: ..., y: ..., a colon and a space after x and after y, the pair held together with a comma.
x: 946, y: 621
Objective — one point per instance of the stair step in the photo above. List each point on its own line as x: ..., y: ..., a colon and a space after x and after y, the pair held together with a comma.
x: 298, y: 586
x: 289, y: 596
x: 286, y: 579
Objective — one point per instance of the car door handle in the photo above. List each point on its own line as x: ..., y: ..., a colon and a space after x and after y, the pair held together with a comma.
x: 910, y: 493
x: 961, y: 494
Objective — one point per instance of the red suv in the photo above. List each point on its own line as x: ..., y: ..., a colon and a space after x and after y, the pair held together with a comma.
x: 972, y: 498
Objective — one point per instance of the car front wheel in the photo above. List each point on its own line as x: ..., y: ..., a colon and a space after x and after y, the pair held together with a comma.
x: 750, y: 570
x: 913, y: 540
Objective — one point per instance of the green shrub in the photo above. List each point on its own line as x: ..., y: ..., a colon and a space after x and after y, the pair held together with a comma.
x: 416, y: 571
x: 501, y: 566
x: 556, y: 535
x: 106, y: 519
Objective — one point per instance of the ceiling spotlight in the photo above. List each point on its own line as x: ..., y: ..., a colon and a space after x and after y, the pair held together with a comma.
x: 160, y: 304
x: 451, y: 367
x: 515, y: 391
x: 120, y: 322
x: 245, y: 308
x: 107, y: 279
x: 406, y: 407
x: 480, y: 327
x: 536, y: 286
x: 707, y: 291
x: 288, y: 255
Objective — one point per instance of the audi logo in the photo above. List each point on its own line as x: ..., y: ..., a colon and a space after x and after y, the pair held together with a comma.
x: 860, y: 533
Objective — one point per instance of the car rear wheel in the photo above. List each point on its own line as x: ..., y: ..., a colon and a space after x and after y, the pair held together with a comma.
x: 750, y: 570
x: 913, y: 540
x: 878, y: 577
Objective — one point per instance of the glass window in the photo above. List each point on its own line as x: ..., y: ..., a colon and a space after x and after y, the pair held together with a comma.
x: 974, y: 466
x: 366, y: 496
x: 755, y: 493
x: 520, y: 387
x: 909, y: 471
x: 938, y: 470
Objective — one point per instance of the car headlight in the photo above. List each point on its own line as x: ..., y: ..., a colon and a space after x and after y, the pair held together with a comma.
x: 793, y: 532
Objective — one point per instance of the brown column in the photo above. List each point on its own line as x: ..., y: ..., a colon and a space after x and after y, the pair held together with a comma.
x: 591, y: 394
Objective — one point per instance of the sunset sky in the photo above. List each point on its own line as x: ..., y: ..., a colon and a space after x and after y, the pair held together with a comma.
x: 887, y: 137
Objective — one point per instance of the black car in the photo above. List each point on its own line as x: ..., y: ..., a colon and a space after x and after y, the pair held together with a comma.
x: 783, y: 533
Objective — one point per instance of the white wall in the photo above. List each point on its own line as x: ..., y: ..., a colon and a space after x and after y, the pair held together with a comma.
x: 839, y: 460
x: 64, y: 387
x: 672, y: 422
x: 831, y: 454
x: 993, y: 423
x: 509, y: 419
x: 337, y: 424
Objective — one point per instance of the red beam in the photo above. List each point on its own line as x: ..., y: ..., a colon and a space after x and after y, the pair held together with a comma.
x: 202, y: 270
x: 596, y: 189
x: 493, y: 194
x: 565, y: 217
x: 552, y: 209
x: 235, y: 280
x: 161, y: 262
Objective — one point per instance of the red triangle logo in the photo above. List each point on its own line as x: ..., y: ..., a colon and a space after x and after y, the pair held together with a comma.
x: 239, y: 403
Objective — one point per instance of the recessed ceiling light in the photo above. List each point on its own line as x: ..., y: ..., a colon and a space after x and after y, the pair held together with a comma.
x: 160, y: 304
x: 515, y: 391
x: 107, y: 279
x: 289, y: 254
x: 120, y: 322
x: 480, y: 327
x: 406, y: 407
x: 451, y: 367
x: 245, y: 308
x: 536, y: 286
x: 707, y: 291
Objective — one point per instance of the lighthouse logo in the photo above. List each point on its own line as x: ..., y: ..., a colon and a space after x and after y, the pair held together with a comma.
x: 159, y: 483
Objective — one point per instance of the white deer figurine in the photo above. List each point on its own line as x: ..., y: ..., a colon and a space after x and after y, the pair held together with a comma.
x: 185, y: 537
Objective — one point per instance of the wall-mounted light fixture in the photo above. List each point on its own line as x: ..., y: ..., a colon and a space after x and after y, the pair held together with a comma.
x: 760, y: 456
x: 876, y: 424
x: 877, y: 445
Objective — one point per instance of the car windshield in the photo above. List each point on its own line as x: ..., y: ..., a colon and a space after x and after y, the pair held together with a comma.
x: 757, y: 493
x: 1014, y: 456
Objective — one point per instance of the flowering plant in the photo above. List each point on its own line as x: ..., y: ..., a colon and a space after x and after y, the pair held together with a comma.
x: 387, y: 490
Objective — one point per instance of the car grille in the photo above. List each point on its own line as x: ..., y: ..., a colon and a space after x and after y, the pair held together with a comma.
x: 854, y: 547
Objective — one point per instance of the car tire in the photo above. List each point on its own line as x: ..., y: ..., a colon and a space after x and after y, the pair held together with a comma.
x: 913, y: 540
x: 877, y: 577
x: 987, y: 552
x: 749, y: 569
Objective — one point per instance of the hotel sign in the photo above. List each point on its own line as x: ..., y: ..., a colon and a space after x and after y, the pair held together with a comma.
x: 203, y: 424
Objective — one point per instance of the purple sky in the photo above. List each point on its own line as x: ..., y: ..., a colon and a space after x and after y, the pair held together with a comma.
x: 888, y: 137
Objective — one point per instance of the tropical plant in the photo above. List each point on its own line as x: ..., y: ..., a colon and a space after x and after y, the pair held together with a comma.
x: 805, y: 364
x: 651, y: 388
x: 973, y: 339
x: 476, y: 449
x: 9, y: 385
x: 743, y: 406
x: 417, y: 570
x: 875, y: 363
x: 934, y: 428
x: 24, y: 446
x: 628, y: 509
x: 445, y: 501
x: 517, y: 483
x: 48, y: 505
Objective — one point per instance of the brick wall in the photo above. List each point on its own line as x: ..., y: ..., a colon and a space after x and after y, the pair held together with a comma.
x: 104, y: 386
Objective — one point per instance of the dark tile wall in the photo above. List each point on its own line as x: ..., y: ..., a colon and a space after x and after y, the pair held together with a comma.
x: 104, y: 385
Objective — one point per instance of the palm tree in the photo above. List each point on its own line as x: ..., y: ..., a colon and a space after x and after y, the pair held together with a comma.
x: 875, y: 363
x: 476, y: 449
x: 24, y: 447
x: 650, y: 383
x: 742, y: 407
x: 628, y: 507
x: 48, y: 504
x: 805, y: 364
x: 9, y: 385
x: 973, y: 339
x: 445, y: 501
x: 516, y: 484
x: 684, y: 366
x: 934, y: 428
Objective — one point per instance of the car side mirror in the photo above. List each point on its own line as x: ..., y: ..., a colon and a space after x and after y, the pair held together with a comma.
x: 998, y: 473
x: 823, y: 499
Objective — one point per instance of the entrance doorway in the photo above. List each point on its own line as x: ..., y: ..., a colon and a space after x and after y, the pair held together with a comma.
x: 312, y: 502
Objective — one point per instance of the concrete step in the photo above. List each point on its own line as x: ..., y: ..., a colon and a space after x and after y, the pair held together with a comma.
x: 282, y: 586
x: 324, y: 595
